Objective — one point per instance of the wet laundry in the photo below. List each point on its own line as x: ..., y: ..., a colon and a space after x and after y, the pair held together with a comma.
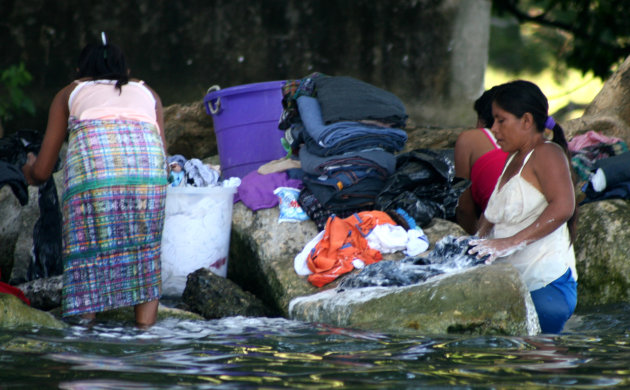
x: 353, y: 242
x: 343, y: 246
x: 449, y: 255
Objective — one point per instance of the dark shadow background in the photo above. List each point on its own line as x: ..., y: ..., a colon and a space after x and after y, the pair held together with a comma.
x: 181, y: 48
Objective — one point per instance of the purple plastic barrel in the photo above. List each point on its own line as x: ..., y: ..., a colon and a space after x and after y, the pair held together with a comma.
x: 245, y: 121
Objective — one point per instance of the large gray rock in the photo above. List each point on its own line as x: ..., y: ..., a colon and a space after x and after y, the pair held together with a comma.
x: 214, y: 297
x: 482, y: 300
x: 10, y: 227
x: 601, y: 247
x: 261, y: 255
x: 15, y: 313
x: 609, y: 112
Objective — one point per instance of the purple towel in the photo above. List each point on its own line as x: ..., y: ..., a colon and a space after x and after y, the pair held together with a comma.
x: 256, y: 190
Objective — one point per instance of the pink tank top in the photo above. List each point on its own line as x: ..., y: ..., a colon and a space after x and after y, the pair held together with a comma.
x: 485, y: 172
x: 99, y: 99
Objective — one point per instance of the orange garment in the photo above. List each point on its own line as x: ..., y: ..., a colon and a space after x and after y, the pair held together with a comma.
x: 344, y: 241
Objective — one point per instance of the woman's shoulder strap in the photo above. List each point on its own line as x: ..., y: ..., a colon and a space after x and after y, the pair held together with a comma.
x: 490, y: 136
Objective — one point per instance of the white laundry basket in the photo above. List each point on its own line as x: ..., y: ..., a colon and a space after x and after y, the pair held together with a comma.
x: 196, y: 234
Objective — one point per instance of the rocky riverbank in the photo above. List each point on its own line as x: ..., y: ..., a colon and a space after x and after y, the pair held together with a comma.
x: 261, y: 279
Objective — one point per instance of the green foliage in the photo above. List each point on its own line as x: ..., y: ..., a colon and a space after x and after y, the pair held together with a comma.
x: 13, y: 100
x: 598, y: 29
x: 513, y: 51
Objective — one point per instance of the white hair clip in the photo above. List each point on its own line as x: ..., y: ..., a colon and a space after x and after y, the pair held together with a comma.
x: 103, y: 38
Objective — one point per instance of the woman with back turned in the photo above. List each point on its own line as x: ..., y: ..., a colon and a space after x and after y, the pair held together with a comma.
x: 530, y: 217
x: 115, y: 179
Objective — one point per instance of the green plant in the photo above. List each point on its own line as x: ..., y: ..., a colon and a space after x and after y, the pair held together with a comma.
x: 12, y: 97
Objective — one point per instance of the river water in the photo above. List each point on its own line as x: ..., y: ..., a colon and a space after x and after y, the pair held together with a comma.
x: 274, y: 353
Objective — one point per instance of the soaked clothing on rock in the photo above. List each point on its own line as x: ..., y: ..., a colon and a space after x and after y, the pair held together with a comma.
x: 450, y: 254
x: 113, y: 202
x: 513, y: 207
x: 342, y: 243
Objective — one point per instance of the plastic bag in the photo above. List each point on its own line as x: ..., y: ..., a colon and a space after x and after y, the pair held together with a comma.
x: 424, y: 185
x: 290, y: 209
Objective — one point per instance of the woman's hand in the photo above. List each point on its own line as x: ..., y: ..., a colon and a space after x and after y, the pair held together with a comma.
x: 494, y: 248
x: 28, y: 167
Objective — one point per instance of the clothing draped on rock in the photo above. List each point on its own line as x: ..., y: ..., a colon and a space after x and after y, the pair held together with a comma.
x: 587, y: 149
x: 610, y: 180
x: 8, y: 289
x: 600, y: 163
x: 342, y: 243
x: 450, y: 254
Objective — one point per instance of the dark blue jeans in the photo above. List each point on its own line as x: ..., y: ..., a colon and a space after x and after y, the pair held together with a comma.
x: 555, y: 303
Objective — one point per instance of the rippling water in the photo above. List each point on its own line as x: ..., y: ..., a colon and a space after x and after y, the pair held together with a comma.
x: 594, y: 352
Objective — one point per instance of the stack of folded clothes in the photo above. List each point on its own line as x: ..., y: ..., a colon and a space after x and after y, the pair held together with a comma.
x: 345, y: 132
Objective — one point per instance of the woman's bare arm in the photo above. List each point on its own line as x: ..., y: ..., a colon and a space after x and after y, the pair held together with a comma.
x: 38, y: 169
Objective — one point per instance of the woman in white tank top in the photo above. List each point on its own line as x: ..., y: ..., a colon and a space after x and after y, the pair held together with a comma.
x: 530, y: 216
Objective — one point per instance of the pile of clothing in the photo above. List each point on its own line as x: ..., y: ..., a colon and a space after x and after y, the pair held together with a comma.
x: 192, y: 173
x: 601, y: 164
x: 365, y: 197
x: 345, y: 132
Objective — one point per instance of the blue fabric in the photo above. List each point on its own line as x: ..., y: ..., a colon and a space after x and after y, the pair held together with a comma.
x: 618, y: 191
x: 555, y: 303
x: 346, y: 136
x: 311, y: 115
x: 352, y: 144
x: 344, y: 98
x: 318, y: 165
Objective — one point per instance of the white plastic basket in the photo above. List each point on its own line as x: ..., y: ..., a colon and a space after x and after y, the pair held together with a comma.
x: 196, y: 234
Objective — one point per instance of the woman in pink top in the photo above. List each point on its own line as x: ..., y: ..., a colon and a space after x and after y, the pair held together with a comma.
x: 114, y: 186
x: 479, y: 159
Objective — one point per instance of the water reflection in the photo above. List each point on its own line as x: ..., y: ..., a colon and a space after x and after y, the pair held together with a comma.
x: 278, y: 353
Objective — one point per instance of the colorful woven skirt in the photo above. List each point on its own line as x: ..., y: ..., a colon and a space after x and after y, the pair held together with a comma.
x: 113, y: 212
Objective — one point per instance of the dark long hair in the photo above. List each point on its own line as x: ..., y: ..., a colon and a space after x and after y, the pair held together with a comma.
x: 103, y: 62
x: 519, y: 97
x: 483, y: 107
